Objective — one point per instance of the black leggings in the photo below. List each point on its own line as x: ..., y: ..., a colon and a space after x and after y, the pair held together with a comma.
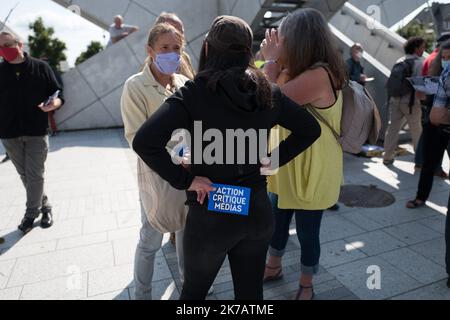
x: 434, y: 145
x: 447, y: 239
x: 209, y: 237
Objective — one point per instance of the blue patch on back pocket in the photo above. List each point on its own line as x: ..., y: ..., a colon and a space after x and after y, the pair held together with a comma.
x: 230, y: 199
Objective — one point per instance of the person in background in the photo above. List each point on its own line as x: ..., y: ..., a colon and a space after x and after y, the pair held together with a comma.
x: 311, y: 72
x: 427, y: 104
x: 434, y: 143
x: 407, y: 106
x: 440, y: 118
x: 118, y: 30
x: 354, y: 68
x: 186, y: 67
x: 24, y: 122
x: 429, y: 60
x: 142, y: 95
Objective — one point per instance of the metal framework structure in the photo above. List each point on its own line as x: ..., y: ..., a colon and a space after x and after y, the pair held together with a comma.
x: 273, y: 11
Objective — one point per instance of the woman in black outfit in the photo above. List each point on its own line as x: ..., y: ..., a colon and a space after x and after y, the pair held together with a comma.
x: 229, y: 93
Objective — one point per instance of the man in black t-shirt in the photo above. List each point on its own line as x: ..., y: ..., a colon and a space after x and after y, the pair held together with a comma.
x: 28, y: 92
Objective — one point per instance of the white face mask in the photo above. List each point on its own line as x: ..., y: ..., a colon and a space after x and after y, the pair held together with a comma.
x: 168, y: 63
x: 359, y: 55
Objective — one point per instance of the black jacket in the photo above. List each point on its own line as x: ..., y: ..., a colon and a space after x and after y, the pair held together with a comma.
x: 227, y: 108
x: 22, y: 88
x: 355, y: 70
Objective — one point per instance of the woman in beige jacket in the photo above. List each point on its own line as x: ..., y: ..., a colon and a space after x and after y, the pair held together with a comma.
x: 143, y: 94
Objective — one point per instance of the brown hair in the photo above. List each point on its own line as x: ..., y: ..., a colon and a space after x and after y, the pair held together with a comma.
x: 412, y: 44
x: 356, y: 47
x: 307, y: 41
x: 436, y: 65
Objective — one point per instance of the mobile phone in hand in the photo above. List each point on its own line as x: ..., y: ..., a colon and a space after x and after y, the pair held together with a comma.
x: 52, y: 97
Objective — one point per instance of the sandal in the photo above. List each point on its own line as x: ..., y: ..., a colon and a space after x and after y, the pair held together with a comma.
x: 300, y: 290
x: 414, y: 204
x: 277, y: 276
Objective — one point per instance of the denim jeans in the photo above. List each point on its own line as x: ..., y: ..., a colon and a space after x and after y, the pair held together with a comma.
x: 308, y: 233
x: 144, y: 262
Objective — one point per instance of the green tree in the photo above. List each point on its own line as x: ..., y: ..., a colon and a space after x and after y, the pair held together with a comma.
x: 43, y: 44
x: 93, y: 48
x: 417, y: 29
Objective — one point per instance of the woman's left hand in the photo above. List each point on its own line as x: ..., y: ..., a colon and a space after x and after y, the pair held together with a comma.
x: 271, y: 45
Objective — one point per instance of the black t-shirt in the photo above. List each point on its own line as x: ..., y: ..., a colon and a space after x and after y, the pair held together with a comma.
x: 355, y: 70
x: 22, y: 88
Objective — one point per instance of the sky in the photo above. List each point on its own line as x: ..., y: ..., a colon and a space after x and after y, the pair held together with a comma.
x: 75, y: 31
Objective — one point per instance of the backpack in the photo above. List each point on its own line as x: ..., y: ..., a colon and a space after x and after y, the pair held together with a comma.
x: 360, y: 122
x: 398, y: 84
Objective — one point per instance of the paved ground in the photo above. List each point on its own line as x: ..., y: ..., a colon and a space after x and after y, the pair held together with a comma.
x: 88, y: 253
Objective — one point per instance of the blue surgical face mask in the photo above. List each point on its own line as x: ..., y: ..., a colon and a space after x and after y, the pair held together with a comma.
x: 445, y: 64
x: 168, y: 63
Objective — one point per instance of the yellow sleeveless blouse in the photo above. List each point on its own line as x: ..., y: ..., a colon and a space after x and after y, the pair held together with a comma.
x: 311, y: 181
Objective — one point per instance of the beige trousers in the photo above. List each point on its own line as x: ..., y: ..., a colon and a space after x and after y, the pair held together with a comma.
x: 399, y: 112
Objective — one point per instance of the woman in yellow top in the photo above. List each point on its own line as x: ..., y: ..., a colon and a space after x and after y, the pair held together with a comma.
x: 143, y: 94
x: 304, y: 60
